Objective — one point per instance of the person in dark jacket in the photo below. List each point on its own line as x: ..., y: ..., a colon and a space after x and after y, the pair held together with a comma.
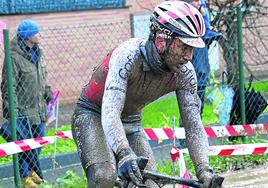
x: 200, y: 59
x: 31, y: 96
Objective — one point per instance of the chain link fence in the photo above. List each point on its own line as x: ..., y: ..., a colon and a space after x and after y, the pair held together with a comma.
x: 71, y: 53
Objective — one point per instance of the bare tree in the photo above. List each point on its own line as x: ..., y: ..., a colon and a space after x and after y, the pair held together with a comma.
x: 255, y: 37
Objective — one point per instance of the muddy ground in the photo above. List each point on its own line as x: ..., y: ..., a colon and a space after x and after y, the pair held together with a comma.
x: 250, y: 178
x: 247, y: 178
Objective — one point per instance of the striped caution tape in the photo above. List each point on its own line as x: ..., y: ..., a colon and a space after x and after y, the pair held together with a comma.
x: 222, y: 150
x: 238, y: 149
x: 24, y: 145
x: 211, y: 131
x: 29, y: 144
x: 64, y: 134
x: 156, y: 134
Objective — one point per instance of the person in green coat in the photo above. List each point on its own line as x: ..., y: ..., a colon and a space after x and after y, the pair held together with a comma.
x: 31, y: 96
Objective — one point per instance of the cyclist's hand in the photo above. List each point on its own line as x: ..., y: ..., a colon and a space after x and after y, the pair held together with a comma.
x: 208, y: 179
x: 128, y: 168
x: 205, y: 178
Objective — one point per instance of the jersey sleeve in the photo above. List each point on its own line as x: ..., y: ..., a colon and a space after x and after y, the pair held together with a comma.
x: 189, y: 105
x: 120, y: 70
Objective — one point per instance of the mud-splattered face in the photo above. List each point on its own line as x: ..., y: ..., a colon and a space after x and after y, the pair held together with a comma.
x: 178, y: 53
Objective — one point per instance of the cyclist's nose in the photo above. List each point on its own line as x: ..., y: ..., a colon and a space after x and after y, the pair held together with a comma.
x: 188, y: 54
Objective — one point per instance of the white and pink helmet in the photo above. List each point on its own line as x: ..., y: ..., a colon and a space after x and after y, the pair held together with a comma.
x: 179, y: 19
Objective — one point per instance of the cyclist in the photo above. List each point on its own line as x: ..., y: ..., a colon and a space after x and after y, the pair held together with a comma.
x: 106, y: 123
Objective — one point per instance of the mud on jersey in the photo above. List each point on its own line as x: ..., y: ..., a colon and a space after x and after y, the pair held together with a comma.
x: 129, y: 76
x: 124, y: 83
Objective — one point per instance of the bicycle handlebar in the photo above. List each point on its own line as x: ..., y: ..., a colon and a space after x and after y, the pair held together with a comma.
x: 166, y: 179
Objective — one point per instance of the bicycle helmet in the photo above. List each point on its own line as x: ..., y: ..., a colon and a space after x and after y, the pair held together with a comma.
x: 179, y: 19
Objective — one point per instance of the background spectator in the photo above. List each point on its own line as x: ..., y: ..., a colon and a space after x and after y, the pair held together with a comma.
x: 31, y: 95
x: 200, y: 59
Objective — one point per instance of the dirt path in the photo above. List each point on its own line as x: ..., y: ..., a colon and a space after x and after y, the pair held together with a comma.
x: 250, y: 178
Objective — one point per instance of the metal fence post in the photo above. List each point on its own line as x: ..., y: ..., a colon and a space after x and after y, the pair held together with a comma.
x: 12, y: 119
x: 241, y: 64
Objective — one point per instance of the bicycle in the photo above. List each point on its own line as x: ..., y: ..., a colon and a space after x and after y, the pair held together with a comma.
x: 163, y: 179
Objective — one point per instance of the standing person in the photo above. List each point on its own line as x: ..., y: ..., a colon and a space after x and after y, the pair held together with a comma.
x: 106, y: 123
x: 31, y: 95
x: 200, y: 59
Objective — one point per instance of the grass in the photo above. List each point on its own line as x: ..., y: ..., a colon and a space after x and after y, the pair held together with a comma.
x: 63, y: 145
x: 261, y: 86
x: 159, y: 114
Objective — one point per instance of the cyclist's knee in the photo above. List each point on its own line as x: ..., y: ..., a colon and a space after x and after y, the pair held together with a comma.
x: 102, y: 175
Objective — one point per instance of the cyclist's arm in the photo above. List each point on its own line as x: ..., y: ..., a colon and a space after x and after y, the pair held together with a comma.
x: 189, y: 104
x: 120, y: 67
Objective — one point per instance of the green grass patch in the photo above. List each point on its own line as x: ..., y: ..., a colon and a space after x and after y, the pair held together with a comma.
x: 62, y: 145
x: 159, y: 113
x: 261, y: 86
x: 70, y: 180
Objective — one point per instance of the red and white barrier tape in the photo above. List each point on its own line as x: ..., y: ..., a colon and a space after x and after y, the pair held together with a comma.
x: 64, y: 134
x: 29, y: 144
x: 24, y: 145
x: 238, y: 149
x: 212, y: 131
x: 165, y: 133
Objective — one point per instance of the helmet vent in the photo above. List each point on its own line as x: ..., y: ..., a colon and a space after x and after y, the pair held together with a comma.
x: 188, y: 17
x: 198, y: 20
x: 164, y: 10
x: 156, y: 15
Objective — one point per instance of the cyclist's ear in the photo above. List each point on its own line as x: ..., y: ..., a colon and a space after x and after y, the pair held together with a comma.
x: 142, y: 162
